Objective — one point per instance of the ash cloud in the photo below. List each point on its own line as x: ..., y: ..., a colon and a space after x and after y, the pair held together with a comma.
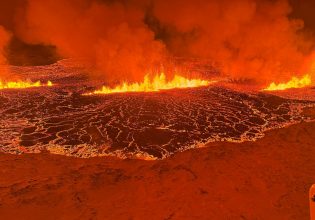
x: 124, y: 40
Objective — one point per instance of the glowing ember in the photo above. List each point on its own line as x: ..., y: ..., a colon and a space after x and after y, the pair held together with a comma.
x: 22, y: 84
x: 293, y: 83
x: 158, y: 83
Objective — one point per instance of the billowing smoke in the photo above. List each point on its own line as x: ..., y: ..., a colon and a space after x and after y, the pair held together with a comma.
x: 110, y: 35
x: 124, y: 40
x: 250, y: 38
x: 4, y: 40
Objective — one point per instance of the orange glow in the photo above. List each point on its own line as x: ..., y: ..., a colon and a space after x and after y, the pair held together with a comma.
x: 293, y: 83
x: 22, y: 84
x: 158, y: 83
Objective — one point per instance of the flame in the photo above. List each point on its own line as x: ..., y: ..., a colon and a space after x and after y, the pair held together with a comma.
x: 293, y: 83
x: 22, y: 84
x: 158, y: 83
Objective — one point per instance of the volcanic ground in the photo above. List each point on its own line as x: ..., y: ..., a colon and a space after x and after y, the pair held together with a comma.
x: 61, y: 120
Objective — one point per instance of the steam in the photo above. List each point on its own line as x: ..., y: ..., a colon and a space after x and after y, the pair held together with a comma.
x: 124, y: 40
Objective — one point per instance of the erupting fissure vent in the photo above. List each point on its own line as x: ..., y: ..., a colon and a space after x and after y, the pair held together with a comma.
x: 293, y: 83
x: 23, y: 84
x: 158, y: 83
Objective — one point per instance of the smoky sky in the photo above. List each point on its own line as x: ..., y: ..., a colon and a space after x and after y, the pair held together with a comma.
x: 123, y: 40
x: 304, y: 9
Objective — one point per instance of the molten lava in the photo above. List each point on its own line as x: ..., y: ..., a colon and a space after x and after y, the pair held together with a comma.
x: 22, y: 84
x: 158, y: 83
x: 293, y: 83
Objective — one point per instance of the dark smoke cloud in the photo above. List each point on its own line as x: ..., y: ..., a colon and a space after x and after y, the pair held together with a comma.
x: 304, y: 9
x: 123, y: 40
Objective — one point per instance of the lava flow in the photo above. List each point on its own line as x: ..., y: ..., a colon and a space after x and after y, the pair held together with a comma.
x: 294, y: 83
x: 158, y: 83
x: 23, y: 84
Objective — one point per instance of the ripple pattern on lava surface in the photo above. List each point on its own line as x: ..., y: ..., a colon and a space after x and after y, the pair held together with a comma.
x: 142, y: 125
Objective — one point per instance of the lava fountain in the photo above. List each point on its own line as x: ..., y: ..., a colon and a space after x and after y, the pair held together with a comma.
x: 23, y: 84
x: 294, y: 83
x: 156, y: 84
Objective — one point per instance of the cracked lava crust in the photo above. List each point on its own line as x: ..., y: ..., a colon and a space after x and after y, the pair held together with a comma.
x: 133, y: 125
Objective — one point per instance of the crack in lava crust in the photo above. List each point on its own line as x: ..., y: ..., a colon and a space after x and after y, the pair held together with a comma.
x: 143, y: 125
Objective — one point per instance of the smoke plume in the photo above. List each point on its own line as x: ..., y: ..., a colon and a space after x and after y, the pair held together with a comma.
x: 250, y: 38
x: 110, y: 35
x: 124, y: 40
x: 4, y: 40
